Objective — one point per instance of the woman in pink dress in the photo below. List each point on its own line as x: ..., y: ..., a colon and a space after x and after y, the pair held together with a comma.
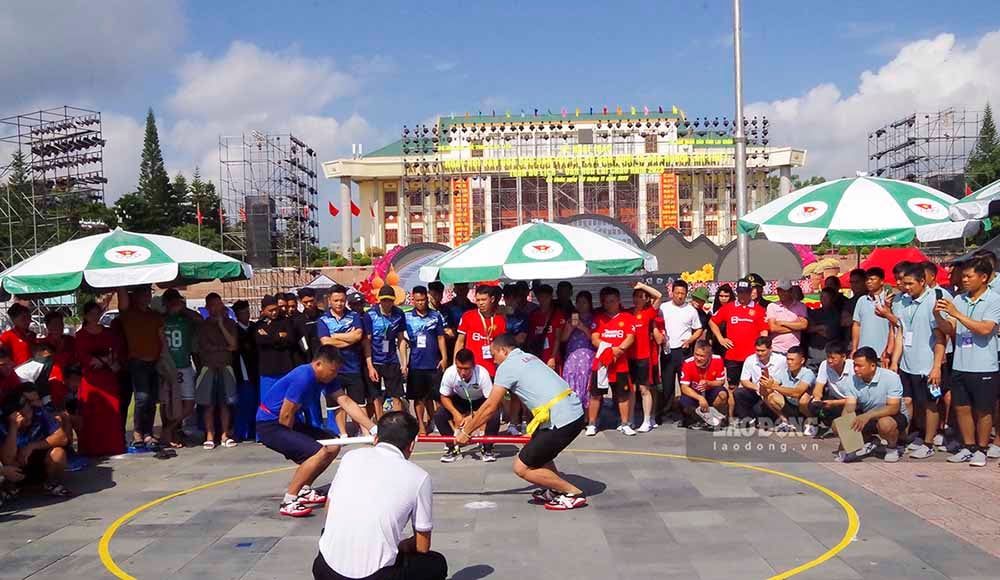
x: 99, y: 351
x: 579, y: 350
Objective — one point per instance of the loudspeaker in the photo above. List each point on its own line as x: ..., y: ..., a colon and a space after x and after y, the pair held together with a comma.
x: 260, y: 210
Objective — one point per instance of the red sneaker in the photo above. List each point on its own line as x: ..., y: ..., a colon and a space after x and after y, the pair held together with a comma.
x: 295, y: 509
x: 565, y: 502
x: 309, y: 496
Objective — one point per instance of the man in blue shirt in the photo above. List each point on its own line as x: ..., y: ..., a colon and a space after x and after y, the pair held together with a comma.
x: 282, y: 427
x: 423, y: 356
x: 784, y: 393
x: 871, y: 328
x: 972, y: 325
x: 384, y: 325
x: 342, y: 328
x: 878, y: 394
x: 33, y: 440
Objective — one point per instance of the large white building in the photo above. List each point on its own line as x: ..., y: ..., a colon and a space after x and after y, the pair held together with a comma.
x: 463, y: 176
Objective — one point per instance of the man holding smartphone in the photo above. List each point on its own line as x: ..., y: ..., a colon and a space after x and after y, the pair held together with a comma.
x: 763, y: 364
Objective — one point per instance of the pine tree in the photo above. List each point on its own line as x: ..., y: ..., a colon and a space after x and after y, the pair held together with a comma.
x: 204, y: 197
x: 983, y: 165
x: 154, y: 184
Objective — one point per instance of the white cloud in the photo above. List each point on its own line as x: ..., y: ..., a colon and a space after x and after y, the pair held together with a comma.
x: 444, y: 66
x: 124, y: 135
x: 926, y: 75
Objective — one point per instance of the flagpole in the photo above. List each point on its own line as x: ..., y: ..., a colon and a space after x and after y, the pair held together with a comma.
x: 742, y: 242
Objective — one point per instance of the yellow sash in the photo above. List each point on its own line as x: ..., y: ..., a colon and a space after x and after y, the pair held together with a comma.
x: 541, y: 414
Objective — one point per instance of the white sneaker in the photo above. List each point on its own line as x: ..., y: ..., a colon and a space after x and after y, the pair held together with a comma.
x: 591, y: 430
x: 923, y: 452
x: 978, y: 459
x: 993, y: 452
x: 644, y: 428
x: 513, y: 431
x: 963, y: 455
x: 939, y: 442
x: 628, y: 430
x: 917, y: 443
x: 892, y: 456
x: 810, y: 430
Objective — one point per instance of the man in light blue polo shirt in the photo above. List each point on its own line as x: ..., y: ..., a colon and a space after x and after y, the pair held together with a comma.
x: 870, y: 327
x: 877, y: 393
x: 972, y: 324
x: 558, y: 415
x: 918, y: 353
x: 825, y: 401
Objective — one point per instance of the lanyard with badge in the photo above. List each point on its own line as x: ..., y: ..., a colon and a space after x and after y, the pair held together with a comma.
x: 908, y: 330
x: 422, y: 334
x: 966, y: 341
x: 489, y: 330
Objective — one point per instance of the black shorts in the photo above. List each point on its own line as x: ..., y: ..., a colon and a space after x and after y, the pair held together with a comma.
x: 546, y: 444
x: 711, y: 394
x: 34, y: 470
x: 871, y: 428
x: 297, y: 444
x: 638, y: 369
x: 358, y: 387
x: 976, y: 390
x: 733, y: 371
x: 391, y: 376
x: 619, y: 386
x: 423, y: 385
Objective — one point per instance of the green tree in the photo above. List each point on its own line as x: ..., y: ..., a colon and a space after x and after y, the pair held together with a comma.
x: 183, y: 212
x: 208, y: 237
x: 134, y: 212
x: 154, y: 183
x: 203, y: 197
x: 983, y: 165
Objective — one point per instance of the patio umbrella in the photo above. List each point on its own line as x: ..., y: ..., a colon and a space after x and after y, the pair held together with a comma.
x: 859, y: 211
x: 538, y: 250
x: 119, y: 258
x: 979, y: 204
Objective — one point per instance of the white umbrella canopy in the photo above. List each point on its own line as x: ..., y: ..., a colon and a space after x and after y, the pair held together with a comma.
x: 538, y: 250
x: 860, y: 211
x: 119, y: 258
x: 977, y: 204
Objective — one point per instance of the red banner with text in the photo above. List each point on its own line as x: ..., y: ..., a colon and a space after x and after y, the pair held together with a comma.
x: 461, y: 211
x: 669, y: 217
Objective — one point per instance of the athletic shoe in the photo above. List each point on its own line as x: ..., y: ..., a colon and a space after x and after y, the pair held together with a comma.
x: 993, y: 452
x: 978, y: 459
x: 451, y: 456
x: 564, y: 502
x: 627, y: 430
x: 513, y: 431
x: 892, y: 456
x: 784, y: 427
x: 309, y: 496
x: 294, y: 509
x: 917, y: 443
x: 810, y: 430
x: 962, y: 456
x: 939, y: 442
x: 591, y: 430
x: 543, y: 495
x: 487, y: 456
x: 922, y: 452
x: 644, y: 428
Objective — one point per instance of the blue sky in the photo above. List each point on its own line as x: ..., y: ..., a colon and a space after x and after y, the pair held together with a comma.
x: 338, y: 73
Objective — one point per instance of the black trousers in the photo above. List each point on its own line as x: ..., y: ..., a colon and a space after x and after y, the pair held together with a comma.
x: 670, y: 366
x: 408, y: 566
x: 442, y: 416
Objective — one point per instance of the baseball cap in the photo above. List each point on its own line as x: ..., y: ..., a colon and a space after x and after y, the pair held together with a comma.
x: 785, y: 284
x: 354, y: 297
x: 386, y: 292
x: 743, y: 286
x: 171, y: 294
x: 700, y: 294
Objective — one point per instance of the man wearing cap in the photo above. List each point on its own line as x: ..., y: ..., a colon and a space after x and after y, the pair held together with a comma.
x: 383, y: 327
x: 745, y: 322
x: 343, y: 329
x: 786, y: 319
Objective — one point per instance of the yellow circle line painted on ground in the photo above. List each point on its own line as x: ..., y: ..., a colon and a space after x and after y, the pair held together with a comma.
x: 853, y: 523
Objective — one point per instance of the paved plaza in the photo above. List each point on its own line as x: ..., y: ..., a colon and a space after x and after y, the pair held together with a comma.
x: 652, y: 515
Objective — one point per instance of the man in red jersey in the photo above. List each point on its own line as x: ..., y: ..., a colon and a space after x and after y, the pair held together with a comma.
x: 615, y: 333
x: 19, y: 339
x: 544, y: 325
x: 479, y: 327
x: 703, y: 382
x: 646, y: 301
x: 745, y: 321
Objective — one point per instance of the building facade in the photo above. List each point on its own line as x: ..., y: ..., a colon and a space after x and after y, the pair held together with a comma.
x: 457, y: 178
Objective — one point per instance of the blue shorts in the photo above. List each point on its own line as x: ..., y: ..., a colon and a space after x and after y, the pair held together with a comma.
x: 297, y: 444
x: 710, y: 396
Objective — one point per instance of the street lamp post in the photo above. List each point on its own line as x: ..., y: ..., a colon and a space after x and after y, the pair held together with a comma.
x: 742, y: 243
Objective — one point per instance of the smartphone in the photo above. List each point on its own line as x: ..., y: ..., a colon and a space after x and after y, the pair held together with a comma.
x: 765, y: 373
x: 938, y: 294
x: 575, y: 318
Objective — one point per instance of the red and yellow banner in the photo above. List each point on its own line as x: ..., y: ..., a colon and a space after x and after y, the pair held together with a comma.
x: 669, y: 216
x: 461, y: 211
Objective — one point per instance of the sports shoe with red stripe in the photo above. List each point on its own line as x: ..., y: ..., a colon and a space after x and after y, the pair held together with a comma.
x: 294, y: 509
x: 309, y: 496
x: 564, y: 502
x: 543, y: 496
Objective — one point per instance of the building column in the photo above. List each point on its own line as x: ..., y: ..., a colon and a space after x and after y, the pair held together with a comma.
x: 430, y: 217
x: 551, y: 200
x: 642, y: 212
x: 611, y: 197
x: 784, y: 180
x: 520, y: 201
x: 724, y: 198
x: 760, y: 189
x: 402, y: 216
x: 488, y: 204
x: 380, y: 216
x: 697, y: 205
x: 346, y: 237
x: 580, y: 206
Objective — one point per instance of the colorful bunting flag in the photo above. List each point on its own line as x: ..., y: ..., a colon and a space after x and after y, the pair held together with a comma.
x: 333, y: 209
x: 355, y: 210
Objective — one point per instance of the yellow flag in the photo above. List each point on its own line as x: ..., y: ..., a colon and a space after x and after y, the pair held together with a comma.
x: 631, y: 111
x: 508, y: 114
x: 578, y: 111
x: 674, y: 110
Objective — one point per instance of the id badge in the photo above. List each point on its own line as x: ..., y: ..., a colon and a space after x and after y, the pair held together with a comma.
x: 487, y: 355
x: 965, y: 341
x: 385, y: 346
x: 545, y: 344
x: 421, y: 341
x: 908, y: 338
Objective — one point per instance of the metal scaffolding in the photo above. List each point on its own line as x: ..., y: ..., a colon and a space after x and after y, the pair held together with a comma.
x: 270, y: 197
x: 931, y: 148
x: 63, y: 152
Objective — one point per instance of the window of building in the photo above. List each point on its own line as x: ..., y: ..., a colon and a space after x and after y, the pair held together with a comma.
x: 653, y: 205
x: 416, y: 235
x: 391, y: 198
x: 686, y: 228
x: 476, y: 146
x: 444, y: 234
x: 651, y: 143
x: 391, y: 236
x: 711, y: 228
x: 416, y: 198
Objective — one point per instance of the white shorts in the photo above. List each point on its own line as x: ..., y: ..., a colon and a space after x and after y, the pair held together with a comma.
x: 185, y: 383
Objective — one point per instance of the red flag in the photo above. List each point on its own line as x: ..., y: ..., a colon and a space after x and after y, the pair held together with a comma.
x: 305, y: 211
x: 371, y: 208
x: 199, y: 215
x: 333, y: 209
x: 968, y: 190
x: 355, y: 210
x: 221, y: 218
x: 243, y: 215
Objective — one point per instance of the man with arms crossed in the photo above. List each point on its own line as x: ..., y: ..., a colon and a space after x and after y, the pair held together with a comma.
x: 558, y: 417
x: 375, y: 493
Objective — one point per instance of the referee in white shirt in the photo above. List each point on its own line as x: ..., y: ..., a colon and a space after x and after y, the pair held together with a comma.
x: 375, y: 493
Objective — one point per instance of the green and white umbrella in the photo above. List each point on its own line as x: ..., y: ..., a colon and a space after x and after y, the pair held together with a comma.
x: 977, y: 204
x: 119, y: 258
x: 859, y: 211
x: 538, y: 250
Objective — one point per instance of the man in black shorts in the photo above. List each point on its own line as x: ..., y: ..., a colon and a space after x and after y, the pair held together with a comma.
x: 279, y: 428
x: 422, y: 354
x: 384, y: 325
x: 557, y: 416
